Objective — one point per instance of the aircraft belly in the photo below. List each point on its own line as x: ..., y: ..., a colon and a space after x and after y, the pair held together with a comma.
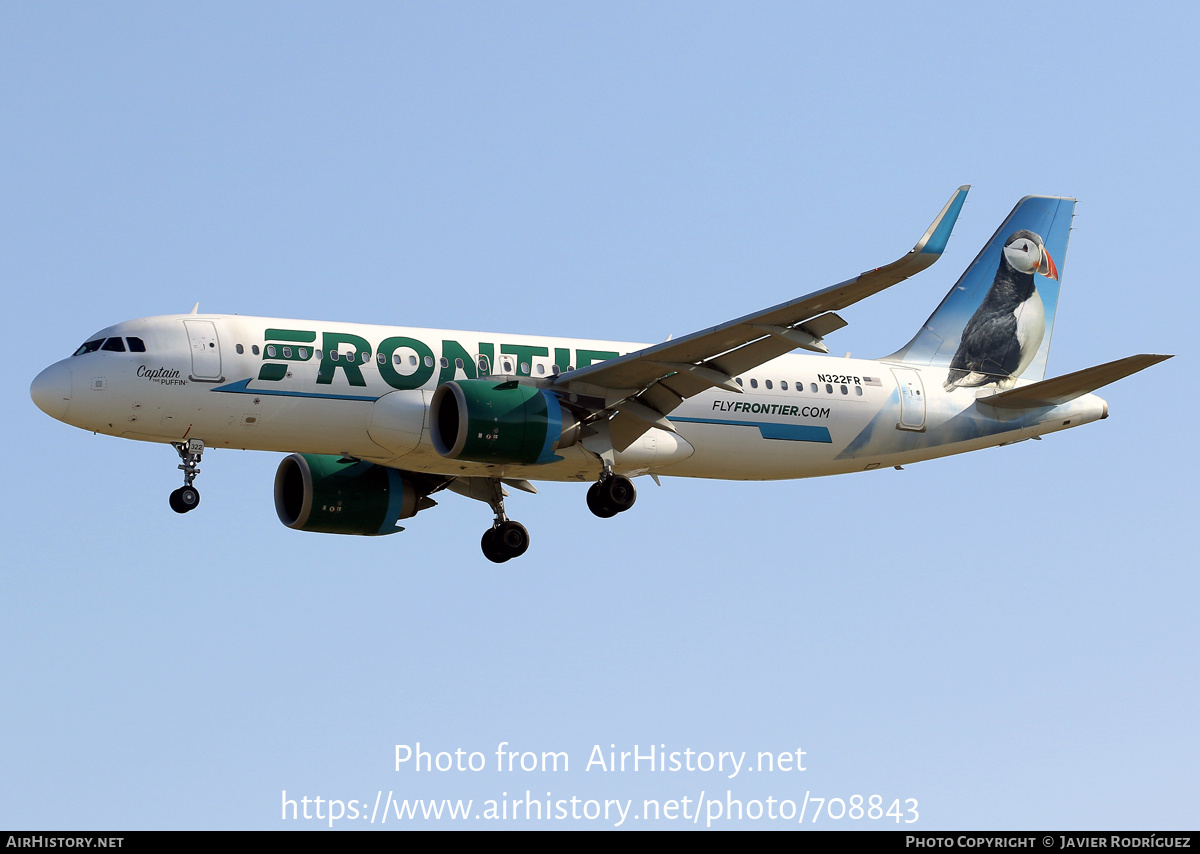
x: 576, y: 465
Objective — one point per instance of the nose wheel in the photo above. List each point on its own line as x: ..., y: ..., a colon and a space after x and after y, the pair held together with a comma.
x: 187, y: 497
x: 184, y: 499
x: 612, y: 494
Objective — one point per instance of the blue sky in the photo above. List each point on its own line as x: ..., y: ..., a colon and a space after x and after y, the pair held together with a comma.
x: 1008, y: 637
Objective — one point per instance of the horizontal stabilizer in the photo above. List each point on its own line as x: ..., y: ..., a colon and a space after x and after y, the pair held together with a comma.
x: 1070, y: 386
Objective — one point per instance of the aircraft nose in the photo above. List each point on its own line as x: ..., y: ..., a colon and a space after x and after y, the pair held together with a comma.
x: 51, y: 390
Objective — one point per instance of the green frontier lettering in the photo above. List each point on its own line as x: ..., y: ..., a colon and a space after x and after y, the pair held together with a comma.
x: 332, y: 360
x: 525, y: 355
x: 452, y: 354
x: 279, y: 347
x: 403, y: 362
x: 387, y: 368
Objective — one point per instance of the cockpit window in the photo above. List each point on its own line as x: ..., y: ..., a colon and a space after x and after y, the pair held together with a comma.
x: 114, y: 345
x: 136, y: 345
x: 89, y: 347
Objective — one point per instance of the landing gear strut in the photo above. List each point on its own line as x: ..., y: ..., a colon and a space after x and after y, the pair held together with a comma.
x: 506, y: 539
x: 187, y: 497
x: 611, y: 494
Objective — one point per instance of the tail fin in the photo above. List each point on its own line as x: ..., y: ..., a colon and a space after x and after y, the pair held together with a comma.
x: 994, y: 326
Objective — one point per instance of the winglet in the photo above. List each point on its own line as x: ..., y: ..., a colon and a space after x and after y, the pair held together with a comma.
x: 935, y: 239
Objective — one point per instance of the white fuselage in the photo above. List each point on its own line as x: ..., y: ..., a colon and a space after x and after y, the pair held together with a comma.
x: 275, y: 385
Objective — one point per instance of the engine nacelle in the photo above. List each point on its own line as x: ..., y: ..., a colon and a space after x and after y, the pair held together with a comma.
x: 507, y: 423
x: 317, y: 492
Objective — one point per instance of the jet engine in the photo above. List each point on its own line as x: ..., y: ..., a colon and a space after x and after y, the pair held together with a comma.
x: 507, y: 423
x: 331, y: 495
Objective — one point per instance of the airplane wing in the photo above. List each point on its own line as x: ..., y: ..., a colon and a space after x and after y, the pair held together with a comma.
x: 641, y: 388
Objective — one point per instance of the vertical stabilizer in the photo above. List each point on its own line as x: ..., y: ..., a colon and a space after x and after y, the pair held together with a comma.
x: 994, y: 326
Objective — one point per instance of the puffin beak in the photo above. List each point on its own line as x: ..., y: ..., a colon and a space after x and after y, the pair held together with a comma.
x: 1047, y: 268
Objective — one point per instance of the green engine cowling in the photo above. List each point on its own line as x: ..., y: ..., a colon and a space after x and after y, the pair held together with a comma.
x: 326, y: 494
x: 508, y: 423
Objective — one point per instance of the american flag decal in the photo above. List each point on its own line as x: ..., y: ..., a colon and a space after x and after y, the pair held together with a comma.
x: 872, y: 381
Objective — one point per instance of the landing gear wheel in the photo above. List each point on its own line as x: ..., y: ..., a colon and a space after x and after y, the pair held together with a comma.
x: 597, y: 504
x: 504, y: 541
x: 184, y: 499
x: 490, y: 549
x: 512, y: 538
x: 611, y: 495
x: 619, y: 493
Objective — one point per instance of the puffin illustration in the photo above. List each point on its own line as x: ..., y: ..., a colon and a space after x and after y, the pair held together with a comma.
x: 1004, y: 333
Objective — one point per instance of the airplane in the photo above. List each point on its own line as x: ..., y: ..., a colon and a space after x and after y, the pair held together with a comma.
x: 378, y: 419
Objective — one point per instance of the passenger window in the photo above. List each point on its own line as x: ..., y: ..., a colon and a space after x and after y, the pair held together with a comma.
x: 753, y: 383
x: 458, y: 363
x: 845, y: 390
x: 271, y: 350
x: 239, y: 348
x: 254, y: 349
x: 303, y: 352
x: 768, y: 383
x: 333, y: 354
x: 429, y: 361
x: 114, y: 345
x: 858, y: 390
x: 739, y: 381
x: 444, y: 362
x: 412, y: 360
x: 137, y: 345
x: 828, y: 388
x: 783, y: 385
x: 484, y: 369
x: 287, y: 352
x: 814, y: 388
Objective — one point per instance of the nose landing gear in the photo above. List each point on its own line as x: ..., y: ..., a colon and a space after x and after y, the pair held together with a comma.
x: 187, y: 497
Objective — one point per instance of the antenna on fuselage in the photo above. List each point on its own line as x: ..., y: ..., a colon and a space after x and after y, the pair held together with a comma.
x: 195, y: 309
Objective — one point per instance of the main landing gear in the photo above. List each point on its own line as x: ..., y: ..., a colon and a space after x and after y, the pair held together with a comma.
x: 610, y: 495
x: 506, y: 539
x: 187, y: 497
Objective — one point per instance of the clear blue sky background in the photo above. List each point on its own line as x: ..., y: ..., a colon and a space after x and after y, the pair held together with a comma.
x: 1009, y: 637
